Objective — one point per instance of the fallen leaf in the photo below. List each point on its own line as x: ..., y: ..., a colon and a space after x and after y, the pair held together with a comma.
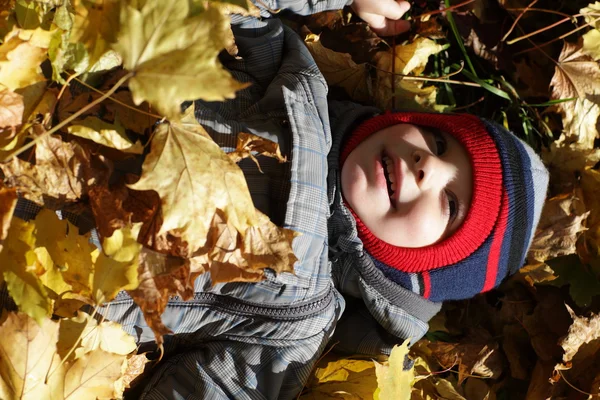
x: 248, y: 143
x: 577, y: 76
x: 131, y: 119
x: 590, y: 14
x: 347, y: 379
x: 173, y: 55
x: 17, y: 263
x: 537, y: 272
x: 135, y: 367
x: 583, y: 330
x: 160, y: 277
x: 591, y: 44
x: 8, y: 202
x: 393, y: 381
x: 475, y: 354
x: 94, y: 375
x: 207, y: 180
x: 110, y: 135
x: 340, y: 70
x: 583, y: 283
x: 21, y: 55
x: 116, y: 266
x: 11, y: 108
x: 60, y: 175
x: 561, y: 223
x: 410, y: 59
x: 86, y: 335
x: 95, y: 25
x: 27, y: 350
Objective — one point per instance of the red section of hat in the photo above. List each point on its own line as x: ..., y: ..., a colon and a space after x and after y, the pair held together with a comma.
x: 485, y: 203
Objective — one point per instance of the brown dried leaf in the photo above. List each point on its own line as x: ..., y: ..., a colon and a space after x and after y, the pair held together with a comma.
x: 561, y: 223
x: 340, y: 70
x: 60, y: 175
x: 578, y: 75
x: 477, y: 354
x: 131, y: 119
x: 248, y: 143
x: 8, y: 202
x: 537, y: 272
x: 160, y: 277
x: 11, y: 108
x: 135, y: 367
x: 582, y: 331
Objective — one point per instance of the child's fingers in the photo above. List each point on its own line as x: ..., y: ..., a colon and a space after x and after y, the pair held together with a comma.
x: 391, y: 9
x: 384, y: 26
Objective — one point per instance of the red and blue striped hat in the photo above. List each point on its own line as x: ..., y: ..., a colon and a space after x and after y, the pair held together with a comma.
x: 509, y: 190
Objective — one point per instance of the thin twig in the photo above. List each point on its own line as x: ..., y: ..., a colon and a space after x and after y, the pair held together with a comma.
x: 555, y: 24
x: 71, y: 118
x: 516, y: 21
x: 539, y: 46
x: 426, y: 78
x: 572, y: 386
x: 118, y: 101
x: 482, y: 98
x: 544, y: 29
x: 454, y: 7
x: 562, y: 14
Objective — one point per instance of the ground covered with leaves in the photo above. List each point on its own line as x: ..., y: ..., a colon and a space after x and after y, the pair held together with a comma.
x: 87, y: 86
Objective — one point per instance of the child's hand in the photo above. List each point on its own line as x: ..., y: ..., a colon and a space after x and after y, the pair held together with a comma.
x: 383, y: 15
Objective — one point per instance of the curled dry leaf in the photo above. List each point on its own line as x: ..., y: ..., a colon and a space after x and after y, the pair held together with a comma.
x: 135, y: 367
x: 561, y: 223
x: 340, y: 70
x: 27, y: 354
x: 577, y: 76
x: 476, y: 354
x: 248, y: 143
x: 8, y: 202
x: 60, y: 175
x: 582, y: 331
x: 160, y: 277
x: 174, y: 56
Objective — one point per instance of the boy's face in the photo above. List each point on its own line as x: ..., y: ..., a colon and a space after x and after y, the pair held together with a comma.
x: 410, y: 186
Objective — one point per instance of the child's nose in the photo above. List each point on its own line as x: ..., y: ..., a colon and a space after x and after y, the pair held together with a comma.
x: 429, y: 169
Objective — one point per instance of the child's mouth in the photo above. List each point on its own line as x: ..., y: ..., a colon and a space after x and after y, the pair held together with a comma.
x: 388, y: 173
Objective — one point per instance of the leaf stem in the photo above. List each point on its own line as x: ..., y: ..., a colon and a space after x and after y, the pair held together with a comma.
x: 539, y: 46
x: 71, y: 118
x: 516, y: 21
x: 454, y: 28
x: 118, y: 101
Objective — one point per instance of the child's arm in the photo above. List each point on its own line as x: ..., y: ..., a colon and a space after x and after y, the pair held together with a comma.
x: 384, y: 16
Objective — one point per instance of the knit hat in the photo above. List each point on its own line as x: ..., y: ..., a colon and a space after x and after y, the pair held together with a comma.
x: 509, y: 190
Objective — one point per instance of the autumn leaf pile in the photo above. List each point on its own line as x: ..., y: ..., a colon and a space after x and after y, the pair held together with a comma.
x: 87, y: 87
x: 533, y: 67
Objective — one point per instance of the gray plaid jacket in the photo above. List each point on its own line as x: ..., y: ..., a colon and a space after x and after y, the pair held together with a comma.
x: 261, y: 340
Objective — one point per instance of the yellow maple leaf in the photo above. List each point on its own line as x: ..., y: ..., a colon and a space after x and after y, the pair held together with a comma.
x: 27, y: 353
x: 340, y: 70
x: 68, y: 249
x: 17, y: 265
x: 21, y: 55
x: 577, y: 76
x: 591, y: 44
x: 394, y: 382
x: 116, y: 266
x: 95, y: 25
x: 110, y: 135
x: 207, y: 180
x: 410, y: 59
x: 85, y: 335
x: 174, y: 55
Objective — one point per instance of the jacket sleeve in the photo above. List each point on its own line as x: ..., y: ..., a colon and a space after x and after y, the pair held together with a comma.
x: 301, y: 7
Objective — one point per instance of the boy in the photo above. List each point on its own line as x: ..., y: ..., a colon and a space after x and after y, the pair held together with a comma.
x: 398, y: 212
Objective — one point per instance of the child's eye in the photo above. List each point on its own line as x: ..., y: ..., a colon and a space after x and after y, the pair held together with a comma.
x: 452, y: 208
x: 440, y: 143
